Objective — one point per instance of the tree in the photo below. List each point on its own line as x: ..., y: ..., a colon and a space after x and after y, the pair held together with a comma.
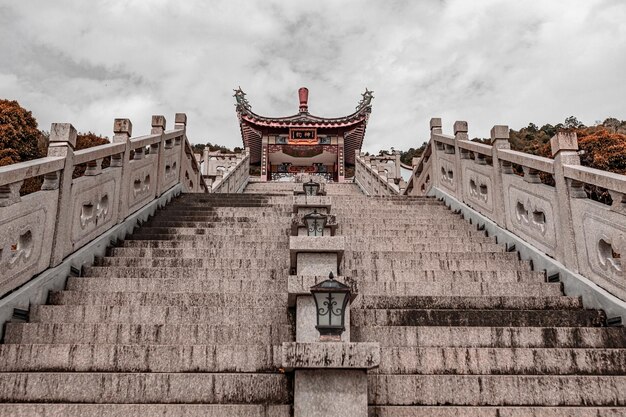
x: 19, y: 136
x: 89, y: 140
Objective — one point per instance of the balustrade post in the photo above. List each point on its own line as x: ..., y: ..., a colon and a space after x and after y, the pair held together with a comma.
x: 499, y: 140
x: 62, y: 143
x: 158, y: 127
x: 435, y: 128
x: 180, y: 123
x: 564, y: 147
x: 122, y: 131
x: 460, y: 133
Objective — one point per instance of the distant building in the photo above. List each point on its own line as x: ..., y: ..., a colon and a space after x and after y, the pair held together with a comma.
x: 286, y: 146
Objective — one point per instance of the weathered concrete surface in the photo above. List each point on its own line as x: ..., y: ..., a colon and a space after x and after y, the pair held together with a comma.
x: 333, y: 355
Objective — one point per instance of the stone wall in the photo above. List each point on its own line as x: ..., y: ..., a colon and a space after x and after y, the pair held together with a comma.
x: 546, y: 206
x: 39, y: 230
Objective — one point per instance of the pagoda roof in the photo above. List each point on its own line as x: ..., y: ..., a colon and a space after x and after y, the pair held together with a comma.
x: 253, y: 124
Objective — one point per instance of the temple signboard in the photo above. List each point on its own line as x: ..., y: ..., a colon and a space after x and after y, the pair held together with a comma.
x: 302, y: 136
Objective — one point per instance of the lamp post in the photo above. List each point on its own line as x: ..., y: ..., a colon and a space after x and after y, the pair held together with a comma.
x: 310, y: 187
x: 315, y: 223
x: 331, y: 299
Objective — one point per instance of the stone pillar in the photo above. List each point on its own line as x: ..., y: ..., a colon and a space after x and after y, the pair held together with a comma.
x: 158, y: 127
x: 265, y: 168
x: 62, y: 143
x: 122, y: 131
x: 460, y: 133
x: 435, y: 128
x: 499, y: 140
x: 341, y: 175
x: 565, y: 152
x: 180, y: 123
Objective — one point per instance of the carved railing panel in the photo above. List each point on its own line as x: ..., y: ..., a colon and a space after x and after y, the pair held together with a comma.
x: 39, y: 230
x: 27, y: 228
x: 558, y: 219
x: 379, y: 175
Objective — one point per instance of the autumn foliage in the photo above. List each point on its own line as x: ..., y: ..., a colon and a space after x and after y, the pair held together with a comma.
x: 20, y: 139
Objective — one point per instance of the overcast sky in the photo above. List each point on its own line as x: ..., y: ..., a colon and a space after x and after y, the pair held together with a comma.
x: 488, y: 62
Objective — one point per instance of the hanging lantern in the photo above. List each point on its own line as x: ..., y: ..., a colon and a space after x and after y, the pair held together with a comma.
x: 310, y: 187
x: 315, y: 223
x: 331, y: 299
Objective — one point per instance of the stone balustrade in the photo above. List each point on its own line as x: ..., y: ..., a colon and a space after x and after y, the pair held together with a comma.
x: 546, y: 207
x: 233, y: 176
x: 39, y: 230
x: 379, y: 175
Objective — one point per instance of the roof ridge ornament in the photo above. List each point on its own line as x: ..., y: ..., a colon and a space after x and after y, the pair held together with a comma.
x: 303, y: 95
x: 366, y: 101
x: 242, y: 101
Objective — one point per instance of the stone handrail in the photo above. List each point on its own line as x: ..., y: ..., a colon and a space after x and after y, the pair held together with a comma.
x: 555, y: 217
x: 370, y: 174
x: 39, y: 230
x: 235, y: 177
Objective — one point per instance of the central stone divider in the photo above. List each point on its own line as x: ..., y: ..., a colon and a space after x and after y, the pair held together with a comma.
x: 330, y: 370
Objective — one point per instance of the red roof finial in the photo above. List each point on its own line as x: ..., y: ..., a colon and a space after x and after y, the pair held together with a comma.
x: 303, y: 94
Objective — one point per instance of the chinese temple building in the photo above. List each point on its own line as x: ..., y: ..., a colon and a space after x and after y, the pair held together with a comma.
x: 302, y: 143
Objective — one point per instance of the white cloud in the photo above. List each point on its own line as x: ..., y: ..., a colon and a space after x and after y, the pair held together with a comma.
x: 488, y: 62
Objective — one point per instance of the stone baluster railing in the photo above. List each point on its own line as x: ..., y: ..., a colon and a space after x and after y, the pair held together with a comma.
x: 39, y: 230
x: 378, y: 176
x: 546, y: 207
x: 235, y: 177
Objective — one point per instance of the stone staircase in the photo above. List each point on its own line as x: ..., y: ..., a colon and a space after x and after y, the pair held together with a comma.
x: 186, y: 318
x: 466, y: 328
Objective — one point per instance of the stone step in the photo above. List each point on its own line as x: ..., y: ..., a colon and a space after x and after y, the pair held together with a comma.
x: 430, y: 233
x: 449, y: 411
x: 210, y: 299
x: 132, y: 388
x: 245, y: 286
x: 221, y: 222
x: 258, y: 252
x: 226, y: 231
x: 229, y: 208
x: 355, y: 241
x: 143, y: 410
x: 194, y: 273
x: 487, y: 390
x: 158, y: 315
x: 500, y: 361
x: 357, y: 256
x: 406, y: 228
x: 455, y: 246
x: 484, y: 265
x: 444, y: 276
x: 508, y: 302
x: 246, y: 242
x: 395, y: 222
x: 217, y: 263
x: 497, y: 337
x: 458, y: 288
x: 482, y: 318
x: 148, y: 334
x: 138, y: 358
